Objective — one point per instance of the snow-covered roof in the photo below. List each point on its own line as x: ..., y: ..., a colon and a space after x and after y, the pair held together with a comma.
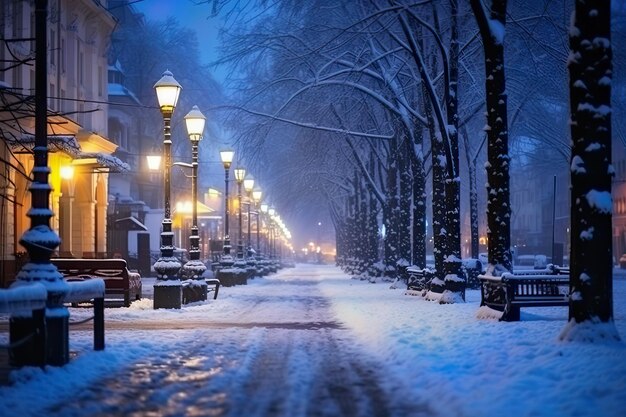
x: 118, y: 90
x: 69, y: 145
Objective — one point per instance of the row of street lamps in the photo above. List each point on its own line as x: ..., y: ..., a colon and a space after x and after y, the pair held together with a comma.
x: 168, y: 288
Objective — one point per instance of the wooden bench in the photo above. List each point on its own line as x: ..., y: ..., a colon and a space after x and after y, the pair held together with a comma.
x: 120, y: 283
x: 527, y: 288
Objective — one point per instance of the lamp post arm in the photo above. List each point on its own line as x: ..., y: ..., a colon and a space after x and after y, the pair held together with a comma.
x: 186, y: 165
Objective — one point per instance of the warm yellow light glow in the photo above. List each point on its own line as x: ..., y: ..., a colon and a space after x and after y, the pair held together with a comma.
x: 256, y: 195
x: 227, y: 156
x: 67, y: 172
x: 248, y: 184
x: 184, y: 207
x: 195, y: 120
x: 240, y: 174
x: 167, y: 90
x: 154, y: 162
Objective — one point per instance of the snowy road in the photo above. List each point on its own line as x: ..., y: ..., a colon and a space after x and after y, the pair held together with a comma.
x: 281, y: 354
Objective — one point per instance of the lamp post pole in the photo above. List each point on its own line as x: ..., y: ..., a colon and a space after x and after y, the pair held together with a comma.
x: 227, y: 159
x: 271, y: 211
x: 240, y: 174
x: 40, y: 240
x: 248, y: 185
x: 256, y: 197
x: 264, y: 210
x: 194, y: 268
x: 167, y: 289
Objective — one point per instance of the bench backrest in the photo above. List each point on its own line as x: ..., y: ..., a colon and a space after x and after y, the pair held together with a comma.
x: 107, y: 269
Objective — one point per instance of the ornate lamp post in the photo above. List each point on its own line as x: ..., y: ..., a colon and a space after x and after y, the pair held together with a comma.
x: 240, y: 174
x: 167, y: 289
x: 227, y: 159
x: 40, y: 240
x: 264, y: 209
x: 272, y: 212
x: 194, y: 268
x: 256, y: 197
x: 248, y: 185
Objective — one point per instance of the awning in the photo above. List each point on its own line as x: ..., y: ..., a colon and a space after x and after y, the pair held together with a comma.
x: 98, y: 161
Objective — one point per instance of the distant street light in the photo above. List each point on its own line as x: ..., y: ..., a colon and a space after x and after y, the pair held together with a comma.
x: 264, y: 209
x: 248, y: 185
x: 194, y: 267
x: 272, y: 212
x: 256, y: 196
x: 227, y: 159
x: 240, y: 174
x: 167, y: 289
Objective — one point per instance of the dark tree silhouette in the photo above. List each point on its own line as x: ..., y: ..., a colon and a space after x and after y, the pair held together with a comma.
x: 498, y: 207
x: 590, y: 74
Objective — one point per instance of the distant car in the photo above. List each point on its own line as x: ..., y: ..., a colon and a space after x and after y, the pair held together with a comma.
x: 482, y: 257
x: 622, y: 261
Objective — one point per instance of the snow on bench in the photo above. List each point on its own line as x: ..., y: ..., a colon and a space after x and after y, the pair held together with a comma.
x: 503, y: 296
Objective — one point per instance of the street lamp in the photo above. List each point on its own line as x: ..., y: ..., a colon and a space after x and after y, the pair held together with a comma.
x: 264, y: 209
x: 40, y: 240
x: 240, y: 174
x: 167, y: 289
x: 227, y: 159
x: 248, y: 185
x: 272, y: 211
x: 194, y: 268
x: 256, y: 196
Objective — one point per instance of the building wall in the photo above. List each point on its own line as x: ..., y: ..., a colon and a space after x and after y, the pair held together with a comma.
x: 79, y: 34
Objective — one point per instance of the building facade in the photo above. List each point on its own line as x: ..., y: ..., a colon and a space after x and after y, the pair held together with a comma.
x: 80, y: 153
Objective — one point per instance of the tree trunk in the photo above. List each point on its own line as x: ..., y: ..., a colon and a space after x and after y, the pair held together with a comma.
x: 591, y: 267
x: 438, y: 196
x: 391, y: 211
x: 404, y: 218
x: 454, y: 278
x: 498, y: 193
x: 473, y: 194
x: 419, y: 209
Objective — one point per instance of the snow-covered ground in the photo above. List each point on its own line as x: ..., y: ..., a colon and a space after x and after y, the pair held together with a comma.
x: 439, y: 357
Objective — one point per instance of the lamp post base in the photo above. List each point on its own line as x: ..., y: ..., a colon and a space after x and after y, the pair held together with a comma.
x: 49, y: 344
x: 168, y: 294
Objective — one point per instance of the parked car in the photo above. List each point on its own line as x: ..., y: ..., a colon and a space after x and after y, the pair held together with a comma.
x: 482, y: 257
